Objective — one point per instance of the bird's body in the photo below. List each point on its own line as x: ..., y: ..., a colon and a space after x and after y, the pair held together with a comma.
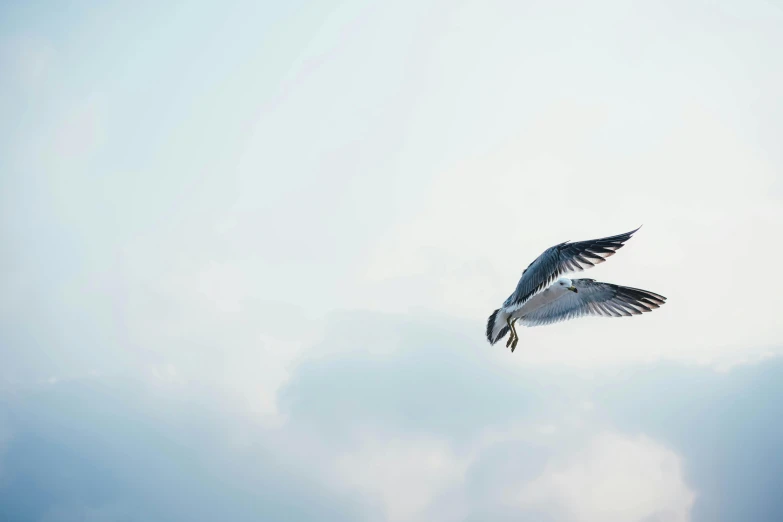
x: 539, y: 300
x: 536, y: 302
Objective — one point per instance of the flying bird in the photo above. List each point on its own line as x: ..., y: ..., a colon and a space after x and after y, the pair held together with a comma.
x: 543, y: 296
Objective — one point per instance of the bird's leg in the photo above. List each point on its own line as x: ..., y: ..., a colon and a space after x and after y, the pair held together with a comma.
x: 516, y: 337
x: 512, y: 332
x: 514, y: 344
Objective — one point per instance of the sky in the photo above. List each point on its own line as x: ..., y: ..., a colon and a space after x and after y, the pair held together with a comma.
x: 249, y: 250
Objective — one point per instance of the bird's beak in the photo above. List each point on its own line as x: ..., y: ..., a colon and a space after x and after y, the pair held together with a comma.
x: 573, y: 289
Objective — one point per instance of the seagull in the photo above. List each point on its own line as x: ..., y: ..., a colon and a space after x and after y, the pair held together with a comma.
x: 543, y: 297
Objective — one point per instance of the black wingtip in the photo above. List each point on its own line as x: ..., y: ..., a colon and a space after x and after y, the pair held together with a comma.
x: 632, y: 232
x: 625, y: 236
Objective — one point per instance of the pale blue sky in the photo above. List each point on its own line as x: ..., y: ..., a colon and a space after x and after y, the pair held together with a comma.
x: 249, y: 250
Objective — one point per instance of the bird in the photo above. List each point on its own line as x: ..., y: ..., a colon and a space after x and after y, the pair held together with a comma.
x: 544, y: 296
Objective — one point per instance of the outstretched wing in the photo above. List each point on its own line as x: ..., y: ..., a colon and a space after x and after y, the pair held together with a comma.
x: 560, y: 259
x: 595, y: 298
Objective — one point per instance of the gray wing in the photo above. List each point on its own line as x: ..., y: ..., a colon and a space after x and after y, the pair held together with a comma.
x: 595, y: 298
x: 560, y: 259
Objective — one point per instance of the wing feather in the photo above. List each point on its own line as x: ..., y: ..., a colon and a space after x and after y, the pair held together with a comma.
x: 595, y: 298
x: 559, y: 259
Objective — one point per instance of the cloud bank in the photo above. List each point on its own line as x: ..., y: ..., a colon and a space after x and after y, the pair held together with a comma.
x: 410, y: 433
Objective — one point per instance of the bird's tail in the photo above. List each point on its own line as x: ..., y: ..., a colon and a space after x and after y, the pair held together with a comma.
x: 497, y: 327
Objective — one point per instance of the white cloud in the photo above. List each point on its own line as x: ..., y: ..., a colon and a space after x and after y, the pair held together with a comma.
x: 274, y: 360
x: 405, y: 474
x: 606, y: 476
x: 615, y: 478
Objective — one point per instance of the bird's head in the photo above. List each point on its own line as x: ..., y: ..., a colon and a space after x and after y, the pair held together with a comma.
x: 565, y: 284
